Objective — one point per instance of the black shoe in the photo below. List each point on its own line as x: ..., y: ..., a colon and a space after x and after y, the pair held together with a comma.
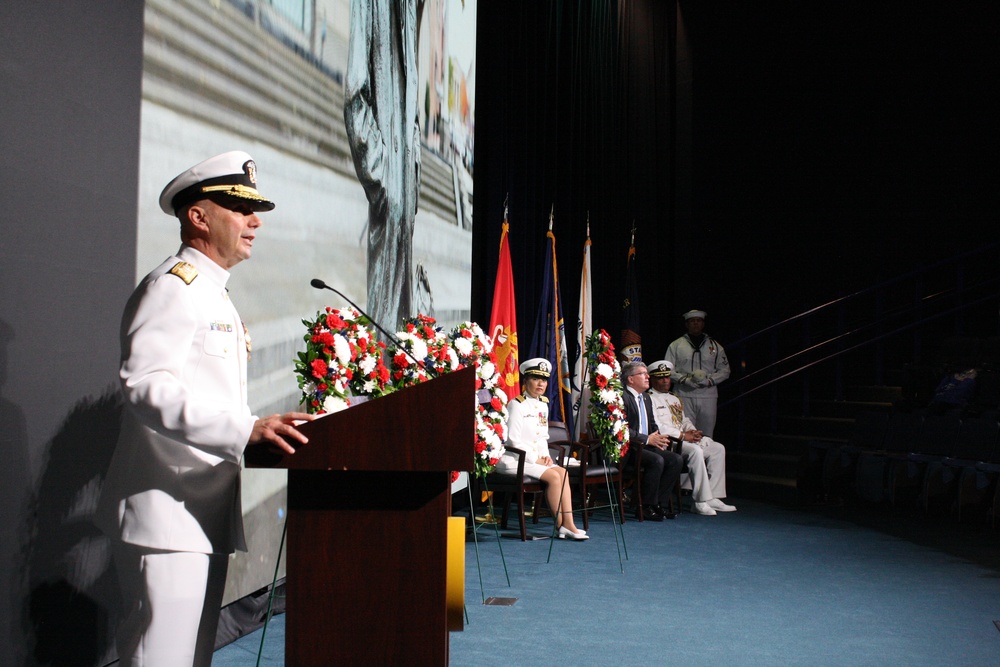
x: 649, y: 513
x: 665, y: 513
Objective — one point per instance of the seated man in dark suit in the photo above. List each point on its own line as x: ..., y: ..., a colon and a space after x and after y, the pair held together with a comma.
x: 661, y: 468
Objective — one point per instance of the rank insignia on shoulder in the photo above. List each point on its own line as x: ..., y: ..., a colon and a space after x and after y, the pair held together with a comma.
x: 184, y: 271
x: 520, y: 398
x: 543, y: 399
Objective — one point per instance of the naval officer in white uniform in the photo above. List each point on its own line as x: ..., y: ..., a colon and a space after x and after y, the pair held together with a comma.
x: 705, y: 458
x: 528, y: 429
x: 171, y: 498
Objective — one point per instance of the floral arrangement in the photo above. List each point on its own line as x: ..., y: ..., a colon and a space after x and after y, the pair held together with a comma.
x: 607, y: 410
x: 342, y: 358
x: 426, y: 343
x: 472, y: 346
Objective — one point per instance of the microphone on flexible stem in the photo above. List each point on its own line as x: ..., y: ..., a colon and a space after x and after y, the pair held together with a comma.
x: 319, y: 284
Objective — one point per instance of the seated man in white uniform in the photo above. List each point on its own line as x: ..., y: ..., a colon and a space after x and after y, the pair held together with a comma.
x: 705, y: 458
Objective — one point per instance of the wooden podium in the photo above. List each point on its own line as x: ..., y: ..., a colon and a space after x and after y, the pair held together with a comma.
x: 368, y: 505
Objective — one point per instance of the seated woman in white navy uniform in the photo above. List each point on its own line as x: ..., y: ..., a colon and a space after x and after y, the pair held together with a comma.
x: 528, y: 429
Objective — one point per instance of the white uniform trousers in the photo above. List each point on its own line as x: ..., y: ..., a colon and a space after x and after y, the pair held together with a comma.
x: 172, y: 604
x: 706, y: 476
x: 701, y: 411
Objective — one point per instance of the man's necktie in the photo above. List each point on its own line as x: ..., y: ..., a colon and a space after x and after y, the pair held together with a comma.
x: 643, y: 426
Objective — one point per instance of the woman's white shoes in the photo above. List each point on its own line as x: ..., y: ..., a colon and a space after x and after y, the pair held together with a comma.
x: 566, y: 532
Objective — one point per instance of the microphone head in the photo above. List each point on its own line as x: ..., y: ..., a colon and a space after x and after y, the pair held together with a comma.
x: 317, y: 283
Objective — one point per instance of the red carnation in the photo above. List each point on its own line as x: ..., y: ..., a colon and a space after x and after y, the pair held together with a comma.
x: 496, y: 404
x: 319, y: 368
x: 600, y: 380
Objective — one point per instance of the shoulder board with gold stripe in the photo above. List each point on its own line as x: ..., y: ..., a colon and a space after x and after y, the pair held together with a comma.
x: 520, y: 398
x: 184, y: 271
x: 543, y: 399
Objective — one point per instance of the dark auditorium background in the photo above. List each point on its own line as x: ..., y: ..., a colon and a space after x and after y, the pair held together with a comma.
x: 771, y: 155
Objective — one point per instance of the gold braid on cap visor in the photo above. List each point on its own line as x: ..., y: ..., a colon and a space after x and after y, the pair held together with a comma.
x: 236, y: 190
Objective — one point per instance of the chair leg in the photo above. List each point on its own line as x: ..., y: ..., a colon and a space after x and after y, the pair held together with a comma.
x: 520, y: 515
x: 506, y: 509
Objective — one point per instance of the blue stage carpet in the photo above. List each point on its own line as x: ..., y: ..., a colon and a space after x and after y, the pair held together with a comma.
x: 762, y: 586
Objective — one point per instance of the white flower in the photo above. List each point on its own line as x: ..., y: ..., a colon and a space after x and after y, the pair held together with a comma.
x: 452, y: 358
x: 367, y: 364
x: 487, y: 371
x: 608, y: 395
x: 616, y: 428
x: 340, y: 385
x: 308, y: 388
x: 342, y: 348
x: 605, y: 370
x: 419, y: 349
x: 369, y: 386
x: 502, y: 395
x: 463, y: 345
x: 334, y: 404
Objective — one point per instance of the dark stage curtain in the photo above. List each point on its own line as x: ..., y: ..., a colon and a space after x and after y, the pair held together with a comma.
x: 580, y: 108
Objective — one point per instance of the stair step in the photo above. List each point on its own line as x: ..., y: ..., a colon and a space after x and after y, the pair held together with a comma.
x: 781, y: 465
x: 781, y: 443
x: 875, y: 393
x: 762, y: 487
x: 815, y: 427
x: 828, y: 407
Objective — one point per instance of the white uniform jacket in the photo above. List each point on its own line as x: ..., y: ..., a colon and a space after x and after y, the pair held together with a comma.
x: 668, y: 411
x: 709, y: 358
x: 174, y: 480
x: 528, y: 426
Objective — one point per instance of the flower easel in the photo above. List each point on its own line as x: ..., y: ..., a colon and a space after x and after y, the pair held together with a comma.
x: 607, y: 412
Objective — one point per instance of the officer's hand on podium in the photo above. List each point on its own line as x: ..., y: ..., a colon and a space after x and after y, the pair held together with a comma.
x: 277, y: 430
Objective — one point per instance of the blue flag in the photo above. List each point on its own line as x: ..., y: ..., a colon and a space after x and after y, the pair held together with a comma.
x: 549, y: 339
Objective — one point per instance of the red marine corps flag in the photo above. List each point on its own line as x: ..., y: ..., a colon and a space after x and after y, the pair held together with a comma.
x: 631, y: 343
x: 503, y: 319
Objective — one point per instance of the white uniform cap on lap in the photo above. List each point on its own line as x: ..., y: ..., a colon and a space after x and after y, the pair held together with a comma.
x: 232, y: 174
